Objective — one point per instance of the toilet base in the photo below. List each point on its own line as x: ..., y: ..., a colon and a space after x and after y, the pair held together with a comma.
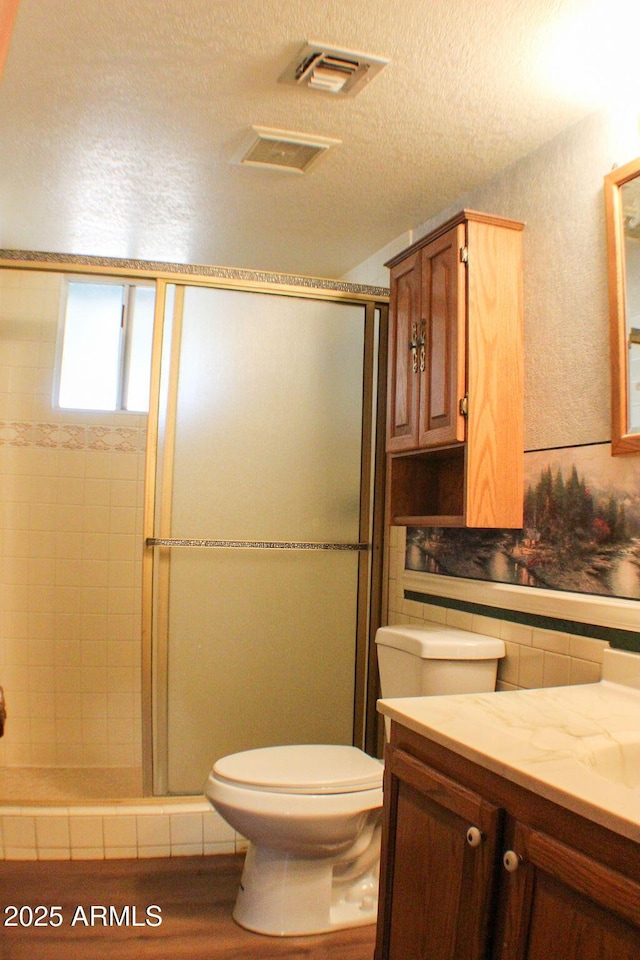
x: 281, y: 895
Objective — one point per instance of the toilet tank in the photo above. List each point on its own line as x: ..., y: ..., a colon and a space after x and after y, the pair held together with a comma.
x: 431, y: 659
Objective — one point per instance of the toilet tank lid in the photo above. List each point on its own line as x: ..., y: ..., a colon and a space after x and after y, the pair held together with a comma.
x: 302, y: 768
x: 438, y: 642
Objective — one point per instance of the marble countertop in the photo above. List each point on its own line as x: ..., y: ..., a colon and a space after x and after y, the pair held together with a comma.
x: 578, y: 746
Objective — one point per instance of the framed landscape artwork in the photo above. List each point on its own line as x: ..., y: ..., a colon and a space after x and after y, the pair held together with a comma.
x: 581, y: 529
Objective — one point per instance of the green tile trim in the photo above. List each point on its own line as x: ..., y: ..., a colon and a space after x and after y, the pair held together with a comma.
x: 622, y: 639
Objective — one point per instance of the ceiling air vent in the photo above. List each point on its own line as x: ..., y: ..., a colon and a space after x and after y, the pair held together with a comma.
x: 330, y: 70
x: 282, y: 149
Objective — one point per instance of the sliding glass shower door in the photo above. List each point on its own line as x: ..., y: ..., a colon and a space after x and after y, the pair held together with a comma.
x: 258, y: 527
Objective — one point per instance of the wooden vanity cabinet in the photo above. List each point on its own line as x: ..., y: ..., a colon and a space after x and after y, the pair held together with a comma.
x: 454, y: 403
x: 438, y: 887
x: 570, y: 889
x: 559, y: 899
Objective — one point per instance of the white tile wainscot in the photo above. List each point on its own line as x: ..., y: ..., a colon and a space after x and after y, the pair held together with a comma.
x: 161, y: 827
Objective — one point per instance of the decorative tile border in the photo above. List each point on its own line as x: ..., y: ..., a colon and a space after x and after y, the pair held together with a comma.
x: 624, y: 639
x: 68, y: 436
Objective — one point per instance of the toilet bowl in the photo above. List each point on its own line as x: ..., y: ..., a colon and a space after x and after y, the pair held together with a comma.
x: 312, y: 812
x: 312, y: 816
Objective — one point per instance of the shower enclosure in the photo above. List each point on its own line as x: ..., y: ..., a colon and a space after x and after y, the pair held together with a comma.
x: 260, y: 554
x: 245, y: 507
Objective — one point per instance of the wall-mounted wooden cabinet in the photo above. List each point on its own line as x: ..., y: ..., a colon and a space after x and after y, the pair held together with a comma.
x: 455, y: 432
x: 474, y: 866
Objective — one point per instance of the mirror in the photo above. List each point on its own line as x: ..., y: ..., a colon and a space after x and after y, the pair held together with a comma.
x: 622, y: 205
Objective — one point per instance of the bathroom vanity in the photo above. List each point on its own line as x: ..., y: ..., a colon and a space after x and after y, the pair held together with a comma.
x: 512, y: 826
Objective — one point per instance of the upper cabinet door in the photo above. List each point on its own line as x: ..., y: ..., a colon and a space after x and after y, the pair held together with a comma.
x: 443, y: 340
x: 403, y: 397
x: 427, y: 346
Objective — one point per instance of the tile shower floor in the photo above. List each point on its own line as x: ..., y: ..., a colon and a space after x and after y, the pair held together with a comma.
x: 68, y: 784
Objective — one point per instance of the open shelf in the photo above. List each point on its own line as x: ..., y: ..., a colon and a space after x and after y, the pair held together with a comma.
x: 426, y: 489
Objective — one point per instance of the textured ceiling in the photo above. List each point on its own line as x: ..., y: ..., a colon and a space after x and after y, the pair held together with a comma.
x: 119, y: 119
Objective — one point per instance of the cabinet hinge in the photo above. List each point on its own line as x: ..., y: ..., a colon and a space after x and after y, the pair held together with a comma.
x: 464, y: 406
x: 464, y: 254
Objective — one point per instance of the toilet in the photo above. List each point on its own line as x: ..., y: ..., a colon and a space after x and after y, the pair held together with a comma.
x: 312, y: 812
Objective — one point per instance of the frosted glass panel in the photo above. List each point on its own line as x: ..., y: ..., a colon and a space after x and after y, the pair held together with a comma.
x: 266, y: 654
x: 269, y: 418
x: 267, y: 447
x: 141, y: 312
x: 91, y: 348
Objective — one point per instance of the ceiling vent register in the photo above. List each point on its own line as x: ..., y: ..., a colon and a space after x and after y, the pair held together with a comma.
x: 282, y: 149
x: 331, y: 70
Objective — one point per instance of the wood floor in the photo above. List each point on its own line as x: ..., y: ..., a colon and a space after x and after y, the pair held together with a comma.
x: 195, y: 895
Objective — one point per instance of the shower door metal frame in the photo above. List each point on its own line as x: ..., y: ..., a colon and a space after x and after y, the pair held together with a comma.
x: 376, y: 300
x: 157, y: 543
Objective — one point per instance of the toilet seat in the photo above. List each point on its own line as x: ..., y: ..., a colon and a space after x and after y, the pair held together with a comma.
x: 301, y: 769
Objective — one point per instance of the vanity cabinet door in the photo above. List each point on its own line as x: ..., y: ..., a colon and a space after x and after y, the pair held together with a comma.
x: 438, y: 865
x: 556, y: 902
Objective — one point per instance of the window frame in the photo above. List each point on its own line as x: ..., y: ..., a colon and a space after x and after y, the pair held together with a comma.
x: 127, y: 322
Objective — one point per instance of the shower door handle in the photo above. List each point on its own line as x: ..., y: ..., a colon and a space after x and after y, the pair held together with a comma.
x: 254, y: 544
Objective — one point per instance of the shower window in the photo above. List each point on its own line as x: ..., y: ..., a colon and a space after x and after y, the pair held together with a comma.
x: 105, y: 355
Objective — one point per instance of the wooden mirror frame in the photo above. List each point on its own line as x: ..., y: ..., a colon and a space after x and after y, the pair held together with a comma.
x: 621, y: 440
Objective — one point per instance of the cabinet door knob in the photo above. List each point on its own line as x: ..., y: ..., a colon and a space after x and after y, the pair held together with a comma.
x: 474, y: 837
x: 511, y: 861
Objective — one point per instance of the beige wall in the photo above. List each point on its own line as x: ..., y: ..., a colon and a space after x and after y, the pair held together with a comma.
x: 557, y: 192
x: 70, y: 553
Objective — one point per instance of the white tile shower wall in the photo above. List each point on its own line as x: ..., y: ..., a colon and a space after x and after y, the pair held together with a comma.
x: 70, y: 553
x: 162, y: 828
x: 534, y: 657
